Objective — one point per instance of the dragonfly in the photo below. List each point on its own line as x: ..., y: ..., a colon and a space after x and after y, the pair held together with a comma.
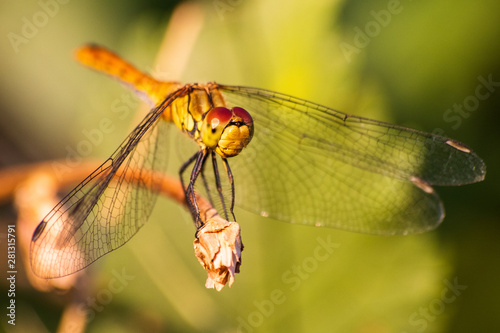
x: 291, y: 160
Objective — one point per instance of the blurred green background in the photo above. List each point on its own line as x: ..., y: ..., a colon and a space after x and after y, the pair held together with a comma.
x: 413, y: 63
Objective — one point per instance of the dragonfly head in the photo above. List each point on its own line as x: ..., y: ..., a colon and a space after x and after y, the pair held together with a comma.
x: 227, y: 131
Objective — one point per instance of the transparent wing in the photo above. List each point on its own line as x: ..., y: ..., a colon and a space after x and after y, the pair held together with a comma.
x: 313, y: 165
x: 107, y: 208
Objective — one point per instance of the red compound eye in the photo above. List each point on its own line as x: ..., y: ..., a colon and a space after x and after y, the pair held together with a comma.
x: 217, y: 116
x: 243, y: 114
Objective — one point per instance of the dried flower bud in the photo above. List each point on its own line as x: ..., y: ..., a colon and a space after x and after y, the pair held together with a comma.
x: 218, y: 248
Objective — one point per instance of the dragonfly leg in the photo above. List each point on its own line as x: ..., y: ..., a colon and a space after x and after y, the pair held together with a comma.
x: 184, y: 167
x: 218, y: 184
x: 199, y: 159
x: 203, y: 178
x: 205, y: 185
x: 231, y: 181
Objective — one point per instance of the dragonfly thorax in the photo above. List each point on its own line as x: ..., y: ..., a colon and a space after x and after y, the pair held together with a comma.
x: 227, y: 131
